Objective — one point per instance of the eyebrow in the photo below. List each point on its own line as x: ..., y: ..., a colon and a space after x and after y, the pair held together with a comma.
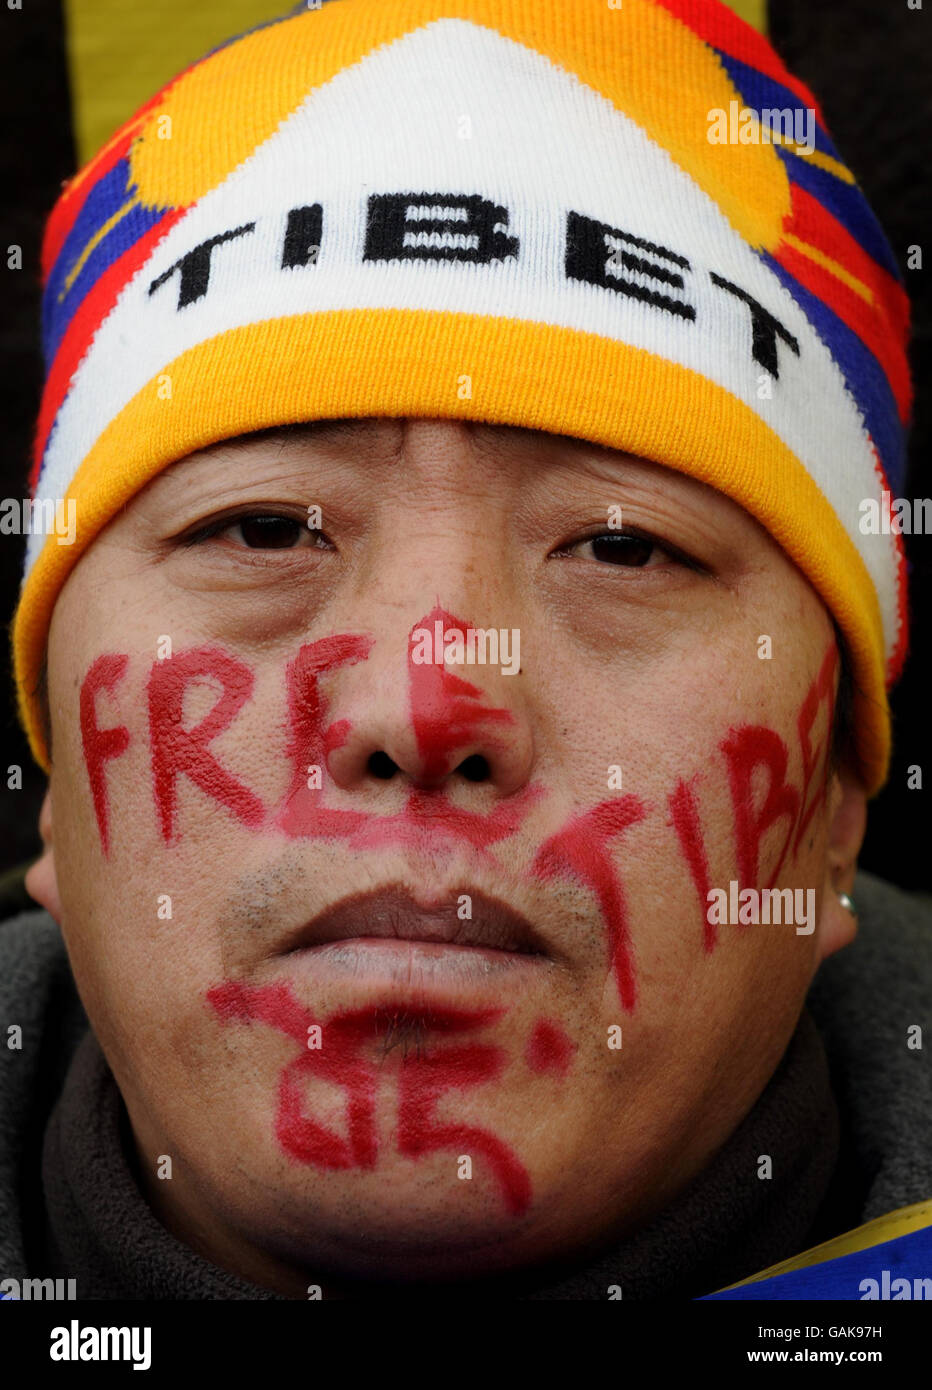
x: 339, y: 428
x: 295, y: 430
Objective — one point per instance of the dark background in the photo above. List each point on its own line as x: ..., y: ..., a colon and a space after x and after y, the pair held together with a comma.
x: 869, y: 63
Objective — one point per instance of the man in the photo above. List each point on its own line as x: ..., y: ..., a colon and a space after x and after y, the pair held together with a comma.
x: 463, y: 694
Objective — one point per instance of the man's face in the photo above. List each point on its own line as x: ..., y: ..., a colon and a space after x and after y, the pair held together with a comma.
x: 407, y: 963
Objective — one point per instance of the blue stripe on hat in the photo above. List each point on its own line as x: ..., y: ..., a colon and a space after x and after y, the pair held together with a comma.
x: 864, y: 376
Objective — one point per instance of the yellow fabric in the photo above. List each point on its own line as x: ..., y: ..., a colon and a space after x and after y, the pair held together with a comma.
x: 896, y: 1223
x: 752, y: 12
x: 120, y: 53
x: 827, y: 263
x: 549, y: 378
x: 670, y: 102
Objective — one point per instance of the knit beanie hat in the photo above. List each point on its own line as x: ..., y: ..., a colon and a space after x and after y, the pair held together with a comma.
x: 621, y: 220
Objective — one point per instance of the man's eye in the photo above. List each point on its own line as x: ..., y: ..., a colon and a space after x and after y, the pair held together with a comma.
x: 261, y: 531
x: 620, y: 548
x: 268, y: 532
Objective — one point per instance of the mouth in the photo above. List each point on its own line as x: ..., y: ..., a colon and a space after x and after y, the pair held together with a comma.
x: 390, y: 936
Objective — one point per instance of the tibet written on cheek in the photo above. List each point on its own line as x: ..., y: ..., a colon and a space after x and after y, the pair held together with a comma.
x: 421, y: 962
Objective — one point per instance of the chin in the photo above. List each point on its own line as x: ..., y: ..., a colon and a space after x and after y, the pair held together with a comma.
x: 399, y: 1225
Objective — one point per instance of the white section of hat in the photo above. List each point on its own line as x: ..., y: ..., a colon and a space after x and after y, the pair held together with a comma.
x: 540, y: 143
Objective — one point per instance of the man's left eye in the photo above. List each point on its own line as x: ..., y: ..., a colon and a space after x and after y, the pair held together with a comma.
x: 620, y: 548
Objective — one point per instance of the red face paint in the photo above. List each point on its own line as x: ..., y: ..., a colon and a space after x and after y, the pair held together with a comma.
x: 747, y: 749
x: 821, y: 691
x: 177, y: 750
x: 685, y: 816
x: 419, y: 1132
x: 101, y: 745
x: 427, y: 815
x: 303, y: 816
x: 337, y: 1060
x: 341, y: 1059
x: 549, y: 1048
x: 446, y: 711
x: 580, y: 851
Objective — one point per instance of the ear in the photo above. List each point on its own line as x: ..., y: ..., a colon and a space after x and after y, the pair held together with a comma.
x: 41, y: 880
x: 847, y: 802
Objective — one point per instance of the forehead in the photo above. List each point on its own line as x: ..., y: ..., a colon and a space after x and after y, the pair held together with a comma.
x: 355, y: 445
x: 347, y: 448
x: 372, y: 428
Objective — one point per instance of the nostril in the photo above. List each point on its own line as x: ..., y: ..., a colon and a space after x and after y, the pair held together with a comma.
x: 382, y: 766
x: 475, y: 768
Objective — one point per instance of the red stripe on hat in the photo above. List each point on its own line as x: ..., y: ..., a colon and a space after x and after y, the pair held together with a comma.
x: 84, y: 324
x: 900, y: 647
x: 721, y: 28
x: 874, y: 331
x: 812, y: 222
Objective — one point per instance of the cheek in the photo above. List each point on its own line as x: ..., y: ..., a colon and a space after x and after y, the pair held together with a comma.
x: 131, y: 899
x: 715, y: 831
x: 157, y: 742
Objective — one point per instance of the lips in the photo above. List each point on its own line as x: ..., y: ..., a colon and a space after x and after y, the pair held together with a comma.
x: 395, y: 914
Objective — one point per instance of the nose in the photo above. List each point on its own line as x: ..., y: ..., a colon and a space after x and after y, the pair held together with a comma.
x: 420, y: 712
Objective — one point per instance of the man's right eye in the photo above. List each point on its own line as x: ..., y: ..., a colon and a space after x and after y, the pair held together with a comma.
x: 262, y: 531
